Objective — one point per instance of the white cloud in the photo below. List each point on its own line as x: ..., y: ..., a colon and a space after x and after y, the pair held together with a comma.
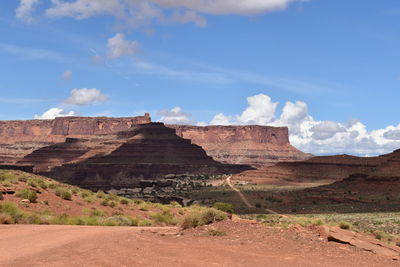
x: 261, y: 110
x: 81, y: 9
x: 310, y: 135
x: 67, y: 75
x: 85, y: 96
x: 25, y: 9
x: 141, y: 12
x: 175, y: 116
x: 118, y: 46
x: 54, y: 113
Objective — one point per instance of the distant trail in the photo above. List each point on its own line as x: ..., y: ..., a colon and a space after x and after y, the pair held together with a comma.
x: 241, y: 195
x: 245, y: 200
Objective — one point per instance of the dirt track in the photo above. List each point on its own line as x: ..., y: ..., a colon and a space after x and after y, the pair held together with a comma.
x: 244, y: 245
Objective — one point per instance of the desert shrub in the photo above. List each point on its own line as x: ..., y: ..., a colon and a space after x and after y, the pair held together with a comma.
x: 398, y: 244
x: 64, y: 193
x: 46, y: 202
x: 137, y: 201
x: 124, y: 201
x: 98, y: 212
x: 213, y: 232
x: 143, y: 206
x: 213, y: 215
x: 112, y: 204
x: 52, y: 186
x: 23, y: 179
x: 202, y: 216
x: 192, y: 220
x: 6, y: 219
x: 32, y: 182
x: 43, y: 184
x: 225, y: 207
x: 119, y: 221
x: 11, y: 209
x: 27, y: 194
x: 344, y: 225
x: 175, y: 204
x: 378, y: 235
x: 1, y: 196
x: 104, y: 202
x: 100, y: 194
x: 112, y: 197
x: 90, y: 199
x: 166, y: 218
x: 144, y: 222
x: 6, y: 184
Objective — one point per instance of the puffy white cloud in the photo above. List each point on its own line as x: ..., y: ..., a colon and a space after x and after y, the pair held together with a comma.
x: 392, y: 134
x: 85, y: 96
x: 326, y: 129
x: 175, y: 116
x: 54, y: 113
x: 221, y: 119
x: 25, y: 9
x: 139, y: 12
x: 261, y: 110
x: 318, y: 137
x: 67, y: 75
x: 118, y: 46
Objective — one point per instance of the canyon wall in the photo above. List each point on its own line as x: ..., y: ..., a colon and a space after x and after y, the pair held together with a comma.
x: 257, y: 146
x: 254, y: 145
x: 20, y: 138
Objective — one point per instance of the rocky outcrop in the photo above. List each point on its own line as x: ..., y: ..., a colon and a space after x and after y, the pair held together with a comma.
x: 330, y: 168
x: 253, y: 145
x: 20, y: 138
x: 146, y: 151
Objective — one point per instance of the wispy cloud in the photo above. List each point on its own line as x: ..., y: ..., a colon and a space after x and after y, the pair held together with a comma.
x: 5, y: 100
x: 29, y: 53
x: 192, y: 75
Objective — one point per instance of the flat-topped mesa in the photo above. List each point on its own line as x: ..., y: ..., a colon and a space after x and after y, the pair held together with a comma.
x: 146, y: 151
x: 254, y: 145
x: 20, y: 138
x: 330, y: 168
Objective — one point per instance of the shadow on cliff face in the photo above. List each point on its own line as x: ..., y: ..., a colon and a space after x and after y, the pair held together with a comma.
x: 145, y: 152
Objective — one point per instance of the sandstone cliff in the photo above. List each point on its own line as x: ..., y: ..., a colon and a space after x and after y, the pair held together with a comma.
x: 146, y: 151
x: 253, y: 145
x: 329, y: 168
x: 20, y: 138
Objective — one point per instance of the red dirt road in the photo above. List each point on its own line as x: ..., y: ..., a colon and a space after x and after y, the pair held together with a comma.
x: 244, y: 245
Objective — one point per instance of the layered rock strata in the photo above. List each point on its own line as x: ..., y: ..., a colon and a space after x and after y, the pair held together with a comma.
x: 146, y: 151
x: 20, y: 138
x: 254, y: 145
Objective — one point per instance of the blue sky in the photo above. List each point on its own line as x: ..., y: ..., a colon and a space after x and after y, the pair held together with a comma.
x: 201, y: 63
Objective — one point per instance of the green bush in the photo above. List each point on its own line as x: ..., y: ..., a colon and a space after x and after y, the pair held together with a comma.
x: 225, y: 207
x: 64, y: 193
x: 124, y: 201
x: 32, y: 182
x: 344, y: 225
x: 42, y: 184
x: 166, y: 218
x: 200, y: 216
x: 99, y: 213
x: 27, y: 194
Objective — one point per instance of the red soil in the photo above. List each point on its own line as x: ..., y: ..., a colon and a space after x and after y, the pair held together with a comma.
x: 245, y: 244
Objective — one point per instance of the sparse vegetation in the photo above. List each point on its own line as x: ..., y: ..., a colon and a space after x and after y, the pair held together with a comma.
x: 199, y: 216
x: 27, y: 194
x: 213, y: 232
x: 226, y: 207
x: 64, y: 193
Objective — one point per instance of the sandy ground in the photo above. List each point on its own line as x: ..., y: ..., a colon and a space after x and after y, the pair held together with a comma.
x: 245, y: 244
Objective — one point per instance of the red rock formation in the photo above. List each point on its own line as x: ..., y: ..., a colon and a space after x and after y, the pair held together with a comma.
x: 333, y: 168
x: 254, y: 145
x: 147, y: 151
x: 20, y: 138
